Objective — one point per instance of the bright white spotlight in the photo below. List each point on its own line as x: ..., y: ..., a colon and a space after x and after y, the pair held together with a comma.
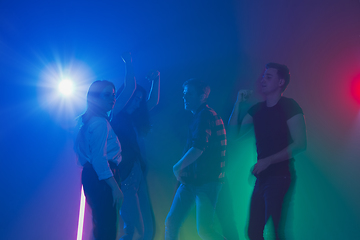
x: 66, y: 87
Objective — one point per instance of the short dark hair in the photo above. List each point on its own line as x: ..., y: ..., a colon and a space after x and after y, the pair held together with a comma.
x: 283, y: 72
x: 200, y: 86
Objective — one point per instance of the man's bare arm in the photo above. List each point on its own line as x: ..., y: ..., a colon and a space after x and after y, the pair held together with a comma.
x: 234, y: 129
x: 189, y: 157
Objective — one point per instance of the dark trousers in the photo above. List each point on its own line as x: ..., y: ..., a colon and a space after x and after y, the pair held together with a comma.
x: 136, y: 210
x: 99, y: 197
x: 268, y: 201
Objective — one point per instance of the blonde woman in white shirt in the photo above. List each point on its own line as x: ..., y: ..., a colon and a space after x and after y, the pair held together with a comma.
x: 99, y: 152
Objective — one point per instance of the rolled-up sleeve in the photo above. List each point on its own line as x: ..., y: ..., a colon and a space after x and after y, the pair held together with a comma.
x: 99, y: 132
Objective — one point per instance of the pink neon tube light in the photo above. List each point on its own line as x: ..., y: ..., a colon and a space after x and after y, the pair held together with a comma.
x: 81, y: 215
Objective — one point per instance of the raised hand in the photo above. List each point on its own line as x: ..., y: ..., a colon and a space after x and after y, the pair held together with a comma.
x: 153, y: 75
x: 126, y: 57
x: 243, y: 95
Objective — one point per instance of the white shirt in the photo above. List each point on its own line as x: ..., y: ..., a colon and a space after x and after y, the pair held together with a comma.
x: 97, y: 144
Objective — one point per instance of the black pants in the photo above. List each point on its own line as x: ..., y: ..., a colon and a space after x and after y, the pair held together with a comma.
x: 268, y: 201
x: 99, y: 197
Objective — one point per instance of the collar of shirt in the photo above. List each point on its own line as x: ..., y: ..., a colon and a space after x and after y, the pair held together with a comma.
x: 202, y: 106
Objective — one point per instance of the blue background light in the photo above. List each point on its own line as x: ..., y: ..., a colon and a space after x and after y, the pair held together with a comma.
x: 226, y: 43
x: 66, y: 87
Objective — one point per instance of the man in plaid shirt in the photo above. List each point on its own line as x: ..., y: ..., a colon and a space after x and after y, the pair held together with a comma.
x: 201, y: 169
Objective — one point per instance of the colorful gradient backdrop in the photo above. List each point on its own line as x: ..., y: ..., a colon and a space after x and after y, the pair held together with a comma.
x: 226, y: 43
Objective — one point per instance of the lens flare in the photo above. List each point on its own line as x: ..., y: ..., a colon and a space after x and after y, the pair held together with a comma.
x: 62, y: 89
x: 66, y: 87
